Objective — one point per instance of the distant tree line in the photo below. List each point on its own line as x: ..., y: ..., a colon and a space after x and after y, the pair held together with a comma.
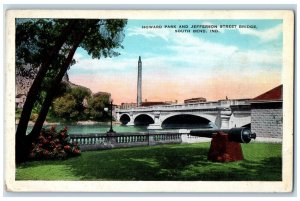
x: 78, y: 104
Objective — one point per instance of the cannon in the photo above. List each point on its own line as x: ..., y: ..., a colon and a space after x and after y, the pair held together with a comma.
x: 241, y: 135
x: 225, y: 144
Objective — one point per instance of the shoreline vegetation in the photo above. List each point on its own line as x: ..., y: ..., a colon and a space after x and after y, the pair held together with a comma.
x: 83, y: 123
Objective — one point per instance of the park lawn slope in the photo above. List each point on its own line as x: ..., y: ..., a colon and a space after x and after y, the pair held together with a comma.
x: 181, y: 162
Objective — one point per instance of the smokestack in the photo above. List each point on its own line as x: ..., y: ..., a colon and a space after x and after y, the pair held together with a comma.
x: 139, y: 83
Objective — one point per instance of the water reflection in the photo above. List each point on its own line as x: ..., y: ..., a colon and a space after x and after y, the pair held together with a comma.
x: 103, y: 128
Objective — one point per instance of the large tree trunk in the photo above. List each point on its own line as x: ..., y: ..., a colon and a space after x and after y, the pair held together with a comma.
x: 52, y: 91
x: 21, y: 143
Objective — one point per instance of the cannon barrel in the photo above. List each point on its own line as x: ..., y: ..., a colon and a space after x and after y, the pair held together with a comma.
x: 241, y: 135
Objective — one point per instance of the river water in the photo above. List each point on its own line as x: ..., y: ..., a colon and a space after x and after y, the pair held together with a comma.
x: 103, y: 128
x: 96, y: 128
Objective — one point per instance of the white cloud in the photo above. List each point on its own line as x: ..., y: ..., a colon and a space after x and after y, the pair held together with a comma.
x: 77, y: 56
x: 150, y: 33
x: 202, y: 54
x: 197, y: 47
x: 89, y: 64
x: 265, y: 35
x: 189, y: 65
x: 189, y: 54
x: 210, y: 24
x: 185, y: 44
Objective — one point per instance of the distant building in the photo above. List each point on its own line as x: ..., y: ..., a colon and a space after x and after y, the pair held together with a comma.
x: 151, y: 103
x: 127, y: 106
x: 171, y: 102
x: 195, y: 100
x: 266, y: 114
x: 20, y: 100
x: 85, y: 103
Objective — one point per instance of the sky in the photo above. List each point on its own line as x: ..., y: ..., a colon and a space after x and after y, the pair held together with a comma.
x: 226, y: 61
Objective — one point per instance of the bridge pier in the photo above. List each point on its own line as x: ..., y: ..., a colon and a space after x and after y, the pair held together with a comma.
x: 154, y: 127
x: 157, y: 122
x: 131, y: 122
x: 225, y: 116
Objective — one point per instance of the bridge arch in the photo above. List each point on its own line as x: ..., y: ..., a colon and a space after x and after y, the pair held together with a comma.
x: 143, y: 119
x: 186, y: 121
x: 211, y: 117
x: 124, y: 119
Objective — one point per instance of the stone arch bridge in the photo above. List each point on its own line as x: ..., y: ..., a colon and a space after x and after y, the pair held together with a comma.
x: 219, y: 114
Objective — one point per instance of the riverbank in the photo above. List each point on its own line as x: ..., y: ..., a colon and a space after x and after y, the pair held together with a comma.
x: 89, y: 122
x: 31, y: 123
x: 81, y: 123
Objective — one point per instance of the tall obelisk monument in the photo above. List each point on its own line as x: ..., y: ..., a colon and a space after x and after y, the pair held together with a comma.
x: 139, y: 83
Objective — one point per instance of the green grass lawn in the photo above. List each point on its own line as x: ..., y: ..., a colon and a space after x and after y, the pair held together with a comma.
x: 183, y: 162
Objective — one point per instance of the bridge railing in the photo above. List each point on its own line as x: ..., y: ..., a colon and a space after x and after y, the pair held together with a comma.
x: 200, y: 105
x: 104, y: 141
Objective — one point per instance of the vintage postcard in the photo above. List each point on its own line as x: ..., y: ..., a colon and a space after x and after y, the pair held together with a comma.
x: 149, y: 101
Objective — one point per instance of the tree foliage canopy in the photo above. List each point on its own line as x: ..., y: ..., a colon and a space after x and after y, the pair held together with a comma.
x: 34, y: 38
x: 44, y: 52
x: 65, y: 106
x: 69, y: 105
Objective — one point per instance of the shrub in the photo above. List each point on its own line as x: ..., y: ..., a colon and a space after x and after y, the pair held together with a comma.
x: 53, y: 145
x: 64, y: 106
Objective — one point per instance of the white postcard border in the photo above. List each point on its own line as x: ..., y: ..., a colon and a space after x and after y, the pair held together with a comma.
x: 285, y: 185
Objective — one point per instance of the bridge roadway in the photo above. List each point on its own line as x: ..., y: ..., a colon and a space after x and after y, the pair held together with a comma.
x: 221, y: 114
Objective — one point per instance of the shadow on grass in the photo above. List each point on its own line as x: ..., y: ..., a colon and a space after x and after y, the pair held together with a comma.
x: 187, y: 163
x: 269, y: 169
x: 155, y: 163
x: 168, y: 163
